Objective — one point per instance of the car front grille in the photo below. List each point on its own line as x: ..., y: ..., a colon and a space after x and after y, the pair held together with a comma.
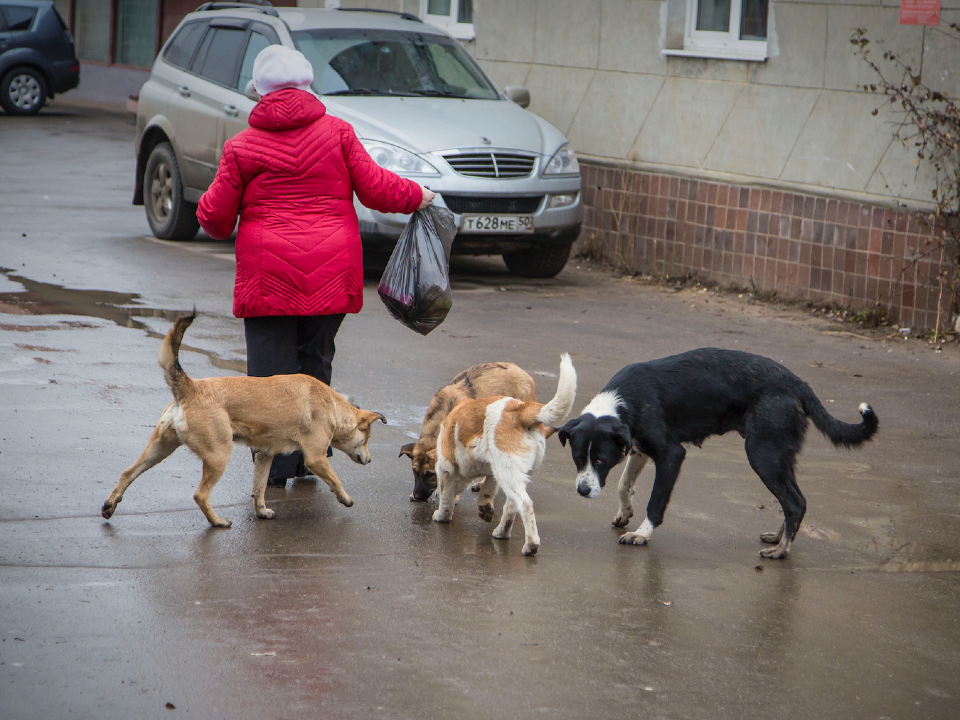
x: 525, y: 205
x: 491, y: 164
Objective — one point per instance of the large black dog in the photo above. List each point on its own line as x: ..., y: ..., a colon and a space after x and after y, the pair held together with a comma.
x: 650, y: 409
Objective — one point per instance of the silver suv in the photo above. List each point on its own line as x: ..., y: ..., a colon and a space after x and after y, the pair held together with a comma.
x: 419, y: 103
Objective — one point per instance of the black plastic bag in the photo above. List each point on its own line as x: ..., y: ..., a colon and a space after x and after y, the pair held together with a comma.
x: 415, y: 285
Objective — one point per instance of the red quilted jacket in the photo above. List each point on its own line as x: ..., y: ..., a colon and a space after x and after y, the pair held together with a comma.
x: 292, y: 175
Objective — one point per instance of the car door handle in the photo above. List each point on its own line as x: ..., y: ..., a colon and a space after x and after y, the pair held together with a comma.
x: 231, y: 110
x: 183, y: 90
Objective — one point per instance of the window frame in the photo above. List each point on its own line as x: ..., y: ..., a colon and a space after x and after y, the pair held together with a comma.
x: 173, y: 38
x: 719, y: 45
x: 7, y: 27
x: 459, y: 30
x: 242, y: 26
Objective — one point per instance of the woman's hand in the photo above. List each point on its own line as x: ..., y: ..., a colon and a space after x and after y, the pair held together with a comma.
x: 428, y: 196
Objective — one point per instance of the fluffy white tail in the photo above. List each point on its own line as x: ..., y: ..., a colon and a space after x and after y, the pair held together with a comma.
x: 557, y: 409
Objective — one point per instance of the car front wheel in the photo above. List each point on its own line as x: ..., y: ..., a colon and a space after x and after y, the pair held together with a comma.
x: 544, y: 261
x: 169, y: 215
x: 23, y: 91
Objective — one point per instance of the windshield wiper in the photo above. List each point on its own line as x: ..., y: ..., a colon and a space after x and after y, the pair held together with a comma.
x: 440, y: 93
x: 368, y: 91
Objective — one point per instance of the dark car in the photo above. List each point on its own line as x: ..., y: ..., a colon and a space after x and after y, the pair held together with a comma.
x: 37, y: 59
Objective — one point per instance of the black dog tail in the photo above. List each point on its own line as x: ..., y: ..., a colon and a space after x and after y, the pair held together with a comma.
x: 169, y: 358
x: 838, y: 432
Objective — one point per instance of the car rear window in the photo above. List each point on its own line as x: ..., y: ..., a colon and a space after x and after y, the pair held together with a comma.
x: 180, y: 50
x: 19, y: 17
x: 219, y: 55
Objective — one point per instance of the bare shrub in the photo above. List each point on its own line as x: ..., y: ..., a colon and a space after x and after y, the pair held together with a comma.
x: 930, y: 124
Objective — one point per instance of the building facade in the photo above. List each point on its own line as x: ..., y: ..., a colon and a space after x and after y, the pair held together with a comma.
x: 731, y: 137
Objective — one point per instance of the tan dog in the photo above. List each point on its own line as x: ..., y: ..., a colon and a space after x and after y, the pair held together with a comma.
x: 503, y: 439
x: 271, y: 415
x: 496, y: 379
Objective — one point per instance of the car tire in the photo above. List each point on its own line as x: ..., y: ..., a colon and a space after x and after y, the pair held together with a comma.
x: 170, y: 216
x: 545, y: 261
x: 23, y: 91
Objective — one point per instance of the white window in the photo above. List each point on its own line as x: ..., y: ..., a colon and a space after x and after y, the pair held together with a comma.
x: 454, y: 16
x: 726, y: 29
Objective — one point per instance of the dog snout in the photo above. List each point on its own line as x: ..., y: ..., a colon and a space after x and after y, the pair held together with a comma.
x: 583, y: 489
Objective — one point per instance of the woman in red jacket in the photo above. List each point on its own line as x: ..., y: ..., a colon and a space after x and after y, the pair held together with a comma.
x: 291, y: 177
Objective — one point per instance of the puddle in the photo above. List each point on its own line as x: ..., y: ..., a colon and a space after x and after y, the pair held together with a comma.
x: 40, y: 298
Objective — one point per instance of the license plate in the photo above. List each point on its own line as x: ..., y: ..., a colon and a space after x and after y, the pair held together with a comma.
x: 497, y: 224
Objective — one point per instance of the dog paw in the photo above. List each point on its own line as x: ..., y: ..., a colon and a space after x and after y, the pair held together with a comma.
x: 476, y: 486
x: 107, y: 510
x: 771, y: 538
x: 486, y: 513
x: 346, y: 501
x: 530, y: 549
x: 441, y: 517
x: 632, y: 538
x: 265, y: 514
x: 621, y: 519
x: 221, y: 523
x: 776, y: 553
x: 501, y: 534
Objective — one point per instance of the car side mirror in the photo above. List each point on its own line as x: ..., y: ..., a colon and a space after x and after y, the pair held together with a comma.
x: 519, y: 94
x: 250, y: 91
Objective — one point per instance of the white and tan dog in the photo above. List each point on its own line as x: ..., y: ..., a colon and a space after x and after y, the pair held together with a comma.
x: 503, y: 439
x: 271, y: 415
x: 495, y: 379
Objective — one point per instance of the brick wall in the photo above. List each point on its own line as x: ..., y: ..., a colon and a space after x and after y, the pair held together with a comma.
x: 801, y: 246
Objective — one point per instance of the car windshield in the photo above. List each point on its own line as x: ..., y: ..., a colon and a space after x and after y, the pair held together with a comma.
x: 391, y: 63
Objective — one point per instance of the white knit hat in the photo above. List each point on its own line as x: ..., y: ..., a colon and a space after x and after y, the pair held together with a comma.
x: 278, y: 67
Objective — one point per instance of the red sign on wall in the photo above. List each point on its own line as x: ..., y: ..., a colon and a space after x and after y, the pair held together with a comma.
x: 919, y: 12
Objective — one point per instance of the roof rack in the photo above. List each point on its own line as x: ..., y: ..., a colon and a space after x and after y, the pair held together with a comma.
x: 261, y: 6
x: 403, y: 15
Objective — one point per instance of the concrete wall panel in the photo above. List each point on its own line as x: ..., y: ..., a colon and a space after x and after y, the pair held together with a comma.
x: 567, y: 33
x: 505, y: 29
x: 685, y: 121
x: 941, y: 47
x: 902, y: 175
x: 801, y: 41
x: 841, y: 144
x: 612, y: 113
x: 556, y: 93
x: 630, y: 36
x: 844, y: 70
x: 507, y: 73
x: 735, y: 71
x: 762, y: 130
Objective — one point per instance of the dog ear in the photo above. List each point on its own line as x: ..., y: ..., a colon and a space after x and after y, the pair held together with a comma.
x: 367, y: 418
x: 548, y: 430
x: 407, y: 450
x: 622, y: 438
x: 564, y: 433
x: 432, y: 454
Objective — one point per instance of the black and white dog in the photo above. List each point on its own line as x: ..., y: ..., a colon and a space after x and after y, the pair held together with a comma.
x: 648, y: 410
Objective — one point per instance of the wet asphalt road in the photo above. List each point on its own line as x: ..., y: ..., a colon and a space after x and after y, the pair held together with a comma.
x: 375, y: 611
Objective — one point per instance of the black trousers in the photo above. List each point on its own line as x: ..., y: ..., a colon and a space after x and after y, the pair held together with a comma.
x: 287, y: 345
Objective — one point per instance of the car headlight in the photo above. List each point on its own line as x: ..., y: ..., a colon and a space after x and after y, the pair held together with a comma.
x: 398, y: 160
x: 563, y: 162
